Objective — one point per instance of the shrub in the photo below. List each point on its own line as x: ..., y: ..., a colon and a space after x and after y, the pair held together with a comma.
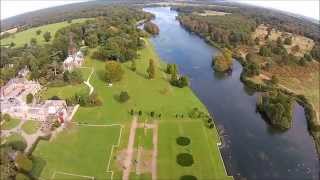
x: 114, y: 71
x: 152, y: 114
x: 23, y: 163
x: 188, y: 177
x: 124, y: 96
x: 151, y: 28
x: 185, y: 159
x: 288, y: 41
x: 223, y: 61
x: 47, y: 36
x: 29, y: 98
x: 183, y: 141
x: 18, y: 145
x: 140, y: 113
x: 55, y: 98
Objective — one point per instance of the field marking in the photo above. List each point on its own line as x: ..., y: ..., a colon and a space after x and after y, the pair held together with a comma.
x: 110, y: 156
x: 70, y: 174
x: 112, y: 149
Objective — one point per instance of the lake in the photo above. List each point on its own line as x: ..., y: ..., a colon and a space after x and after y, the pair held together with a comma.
x: 252, y: 148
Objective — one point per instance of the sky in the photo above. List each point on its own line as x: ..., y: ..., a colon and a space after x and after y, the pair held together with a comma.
x: 309, y: 8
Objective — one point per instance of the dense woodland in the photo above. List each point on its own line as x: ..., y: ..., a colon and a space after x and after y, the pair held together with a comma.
x: 115, y: 36
x: 232, y: 30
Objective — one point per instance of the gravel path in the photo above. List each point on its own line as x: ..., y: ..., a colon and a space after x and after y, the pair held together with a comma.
x: 130, y: 149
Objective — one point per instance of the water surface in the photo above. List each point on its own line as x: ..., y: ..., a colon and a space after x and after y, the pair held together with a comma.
x: 252, y: 148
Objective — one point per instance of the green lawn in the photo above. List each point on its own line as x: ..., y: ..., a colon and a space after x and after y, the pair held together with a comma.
x: 81, y: 150
x: 64, y: 92
x: 208, y: 163
x: 14, y: 138
x: 24, y: 37
x: 30, y: 127
x: 7, y: 125
x: 77, y: 152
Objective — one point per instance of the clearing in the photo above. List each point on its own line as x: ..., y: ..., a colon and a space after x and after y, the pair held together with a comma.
x: 23, y: 37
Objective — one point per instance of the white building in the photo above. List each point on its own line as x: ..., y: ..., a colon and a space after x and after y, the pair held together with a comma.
x: 73, y: 61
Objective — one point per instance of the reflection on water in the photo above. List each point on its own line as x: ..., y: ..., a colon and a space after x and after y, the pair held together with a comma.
x: 252, y: 148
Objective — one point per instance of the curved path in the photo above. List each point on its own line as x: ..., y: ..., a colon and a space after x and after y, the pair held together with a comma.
x: 87, y: 82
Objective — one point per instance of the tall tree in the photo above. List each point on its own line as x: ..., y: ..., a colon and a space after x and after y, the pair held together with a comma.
x: 47, y: 36
x: 151, y: 69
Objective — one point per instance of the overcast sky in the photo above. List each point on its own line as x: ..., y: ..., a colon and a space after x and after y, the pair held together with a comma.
x: 309, y: 8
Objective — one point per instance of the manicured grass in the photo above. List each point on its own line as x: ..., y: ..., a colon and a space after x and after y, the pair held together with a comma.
x: 24, y: 37
x: 30, y: 127
x: 207, y: 164
x: 144, y: 138
x: 7, y: 125
x: 66, y: 153
x: 64, y: 92
x: 82, y: 150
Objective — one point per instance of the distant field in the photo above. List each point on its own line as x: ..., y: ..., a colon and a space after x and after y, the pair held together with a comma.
x: 24, y: 37
x: 212, y: 13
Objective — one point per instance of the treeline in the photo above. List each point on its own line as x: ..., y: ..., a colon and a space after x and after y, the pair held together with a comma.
x: 229, y: 30
x: 234, y: 29
x: 63, y: 13
x: 115, y: 37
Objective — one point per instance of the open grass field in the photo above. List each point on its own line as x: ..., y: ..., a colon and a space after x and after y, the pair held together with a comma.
x: 64, y: 92
x: 81, y: 150
x: 31, y: 127
x: 24, y: 37
x: 7, y: 125
x: 203, y: 148
x: 85, y: 150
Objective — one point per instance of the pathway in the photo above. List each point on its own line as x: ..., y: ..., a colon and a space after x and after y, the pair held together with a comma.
x: 154, y: 152
x: 87, y: 82
x: 130, y: 149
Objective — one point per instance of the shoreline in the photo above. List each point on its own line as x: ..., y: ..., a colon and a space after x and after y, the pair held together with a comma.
x: 310, y: 113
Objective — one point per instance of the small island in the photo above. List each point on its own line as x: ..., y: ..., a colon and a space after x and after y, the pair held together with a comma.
x: 277, y: 107
x: 151, y: 28
x: 223, y: 61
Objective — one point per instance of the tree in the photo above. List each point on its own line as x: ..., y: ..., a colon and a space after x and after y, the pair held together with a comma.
x: 124, y: 96
x: 69, y: 21
x: 265, y: 51
x: 174, y: 73
x: 33, y: 41
x: 151, y: 28
x: 184, y: 81
x: 47, y: 36
x: 133, y: 65
x: 12, y: 44
x: 29, y: 98
x: 7, y: 166
x: 91, y: 40
x: 288, y: 41
x: 38, y: 32
x: 223, y: 61
x: 274, y: 79
x: 23, y: 163
x: 151, y: 69
x: 113, y: 71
